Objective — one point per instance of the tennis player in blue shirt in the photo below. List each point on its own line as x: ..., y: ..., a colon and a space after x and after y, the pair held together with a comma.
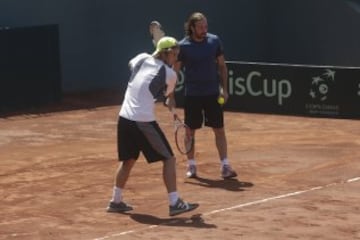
x: 202, y: 59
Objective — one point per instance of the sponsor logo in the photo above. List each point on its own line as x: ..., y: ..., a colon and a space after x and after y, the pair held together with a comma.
x: 320, y: 89
x: 320, y: 85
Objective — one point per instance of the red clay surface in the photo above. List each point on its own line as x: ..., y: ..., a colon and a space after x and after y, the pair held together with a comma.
x: 299, y: 179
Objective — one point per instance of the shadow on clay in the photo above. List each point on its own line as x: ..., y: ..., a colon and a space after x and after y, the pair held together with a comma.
x: 195, y: 221
x: 227, y: 184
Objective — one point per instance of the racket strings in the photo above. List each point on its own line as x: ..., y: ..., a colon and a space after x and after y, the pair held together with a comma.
x: 184, y: 140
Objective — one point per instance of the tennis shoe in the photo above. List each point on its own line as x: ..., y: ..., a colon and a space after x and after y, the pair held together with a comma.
x: 119, y: 207
x: 227, y: 172
x: 191, y: 171
x: 181, y: 207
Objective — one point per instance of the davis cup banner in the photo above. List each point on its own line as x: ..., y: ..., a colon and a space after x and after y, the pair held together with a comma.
x: 319, y: 91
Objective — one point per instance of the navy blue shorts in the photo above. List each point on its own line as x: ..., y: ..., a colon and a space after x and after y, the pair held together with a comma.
x: 146, y: 137
x: 203, y: 111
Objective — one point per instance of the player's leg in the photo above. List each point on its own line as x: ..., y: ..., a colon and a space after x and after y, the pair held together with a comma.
x: 177, y: 205
x: 220, y: 142
x: 169, y: 175
x: 123, y: 172
x: 128, y: 152
x: 156, y: 147
x: 214, y: 116
x: 194, y: 119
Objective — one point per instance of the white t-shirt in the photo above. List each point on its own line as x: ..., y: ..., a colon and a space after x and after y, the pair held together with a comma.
x: 150, y: 78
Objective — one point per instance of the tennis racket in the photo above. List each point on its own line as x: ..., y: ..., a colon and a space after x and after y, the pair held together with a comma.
x: 183, y: 139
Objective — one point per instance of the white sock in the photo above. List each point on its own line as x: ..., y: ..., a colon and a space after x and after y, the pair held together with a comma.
x: 225, y: 161
x: 117, y: 195
x: 191, y: 162
x: 173, y: 197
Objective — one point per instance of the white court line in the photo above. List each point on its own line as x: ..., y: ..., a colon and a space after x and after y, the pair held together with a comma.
x: 237, y: 206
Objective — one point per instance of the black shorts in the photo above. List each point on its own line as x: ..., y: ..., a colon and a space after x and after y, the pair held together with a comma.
x: 203, y: 110
x: 146, y: 137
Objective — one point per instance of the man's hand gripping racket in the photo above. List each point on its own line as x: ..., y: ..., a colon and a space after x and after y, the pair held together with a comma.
x: 183, y: 138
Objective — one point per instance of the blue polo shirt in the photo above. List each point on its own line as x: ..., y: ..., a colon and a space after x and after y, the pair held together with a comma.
x: 200, y: 67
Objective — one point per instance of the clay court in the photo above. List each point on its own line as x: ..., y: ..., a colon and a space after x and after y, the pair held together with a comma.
x: 299, y: 178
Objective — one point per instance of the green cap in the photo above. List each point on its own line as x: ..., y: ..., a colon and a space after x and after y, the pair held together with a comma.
x: 165, y: 43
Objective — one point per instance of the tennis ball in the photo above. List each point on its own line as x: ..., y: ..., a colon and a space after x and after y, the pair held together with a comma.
x: 221, y: 100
